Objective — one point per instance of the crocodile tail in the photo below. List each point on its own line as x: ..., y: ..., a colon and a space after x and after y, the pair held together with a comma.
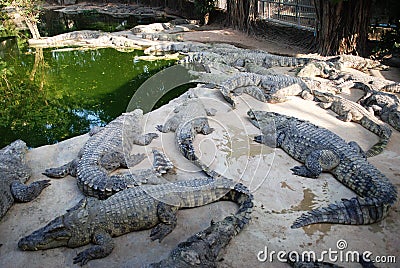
x: 161, y: 163
x: 393, y: 88
x: 348, y: 211
x: 381, y: 130
x: 377, y: 148
x: 241, y: 195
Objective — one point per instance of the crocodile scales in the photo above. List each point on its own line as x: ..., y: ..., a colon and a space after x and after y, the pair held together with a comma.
x: 346, y: 80
x: 358, y: 63
x: 321, y: 150
x: 269, y: 88
x: 134, y: 209
x: 203, y: 248
x: 384, y: 104
x: 232, y: 55
x: 13, y: 174
x: 351, y: 111
x: 104, y: 152
x: 191, y: 108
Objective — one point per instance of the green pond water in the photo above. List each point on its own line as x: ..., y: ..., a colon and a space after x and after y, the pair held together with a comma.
x: 51, y: 95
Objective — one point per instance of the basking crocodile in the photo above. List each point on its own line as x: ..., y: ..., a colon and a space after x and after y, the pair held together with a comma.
x: 358, y: 63
x: 351, y: 111
x: 239, y: 57
x: 322, y: 150
x: 270, y: 88
x: 384, y: 104
x: 134, y: 209
x: 322, y: 69
x: 346, y: 80
x: 192, y: 107
x: 203, y: 249
x: 13, y: 174
x: 104, y: 152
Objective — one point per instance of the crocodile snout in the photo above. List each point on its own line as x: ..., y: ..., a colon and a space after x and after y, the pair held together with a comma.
x: 26, y: 244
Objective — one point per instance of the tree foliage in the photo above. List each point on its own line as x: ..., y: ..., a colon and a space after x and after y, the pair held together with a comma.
x: 29, y: 10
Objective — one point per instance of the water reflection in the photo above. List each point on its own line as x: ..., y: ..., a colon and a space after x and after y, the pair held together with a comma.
x: 57, y: 94
x: 53, y: 22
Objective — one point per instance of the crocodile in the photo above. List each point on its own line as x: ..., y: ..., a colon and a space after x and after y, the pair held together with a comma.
x: 133, y: 209
x: 384, y: 104
x: 203, y: 248
x: 190, y: 108
x: 321, y: 150
x: 322, y: 69
x: 348, y: 110
x: 358, y: 63
x: 347, y: 80
x: 13, y: 174
x: 267, y: 88
x: 240, y: 57
x: 106, y: 151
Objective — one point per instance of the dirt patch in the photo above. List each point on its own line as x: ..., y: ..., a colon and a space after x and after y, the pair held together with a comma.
x: 274, y: 39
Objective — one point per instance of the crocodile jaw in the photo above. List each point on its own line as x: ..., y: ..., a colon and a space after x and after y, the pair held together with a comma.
x: 54, y: 234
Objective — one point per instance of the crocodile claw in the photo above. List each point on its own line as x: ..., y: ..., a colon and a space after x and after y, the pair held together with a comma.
x: 160, y: 128
x: 161, y: 231
x: 82, y: 258
x: 302, y: 171
x: 258, y: 139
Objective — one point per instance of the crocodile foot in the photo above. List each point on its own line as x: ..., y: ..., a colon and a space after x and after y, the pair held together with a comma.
x: 23, y: 193
x: 303, y: 171
x: 161, y: 231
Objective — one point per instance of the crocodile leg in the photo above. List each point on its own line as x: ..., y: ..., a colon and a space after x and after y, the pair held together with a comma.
x: 113, y: 160
x: 316, y: 162
x: 167, y: 216
x: 144, y: 139
x: 24, y: 193
x: 62, y: 171
x: 104, y: 245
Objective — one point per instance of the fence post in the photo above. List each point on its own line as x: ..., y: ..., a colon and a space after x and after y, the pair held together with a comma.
x: 263, y: 9
x: 279, y: 8
x: 297, y: 13
x: 269, y: 9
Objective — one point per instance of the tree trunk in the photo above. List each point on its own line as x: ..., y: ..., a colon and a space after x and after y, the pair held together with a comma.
x: 241, y: 14
x: 30, y: 21
x: 342, y: 26
x: 32, y: 25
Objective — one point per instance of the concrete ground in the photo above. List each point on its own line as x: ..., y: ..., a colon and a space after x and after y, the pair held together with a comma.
x: 280, y: 197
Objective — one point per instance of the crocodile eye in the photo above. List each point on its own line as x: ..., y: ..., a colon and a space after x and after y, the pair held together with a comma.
x: 62, y: 235
x: 56, y: 229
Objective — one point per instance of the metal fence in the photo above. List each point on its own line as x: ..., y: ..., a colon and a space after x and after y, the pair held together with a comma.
x: 298, y: 13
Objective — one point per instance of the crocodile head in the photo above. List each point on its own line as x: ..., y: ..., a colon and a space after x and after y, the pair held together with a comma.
x: 323, y: 96
x: 394, y: 119
x: 267, y: 120
x: 270, y: 124
x: 201, y: 125
x: 68, y: 230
